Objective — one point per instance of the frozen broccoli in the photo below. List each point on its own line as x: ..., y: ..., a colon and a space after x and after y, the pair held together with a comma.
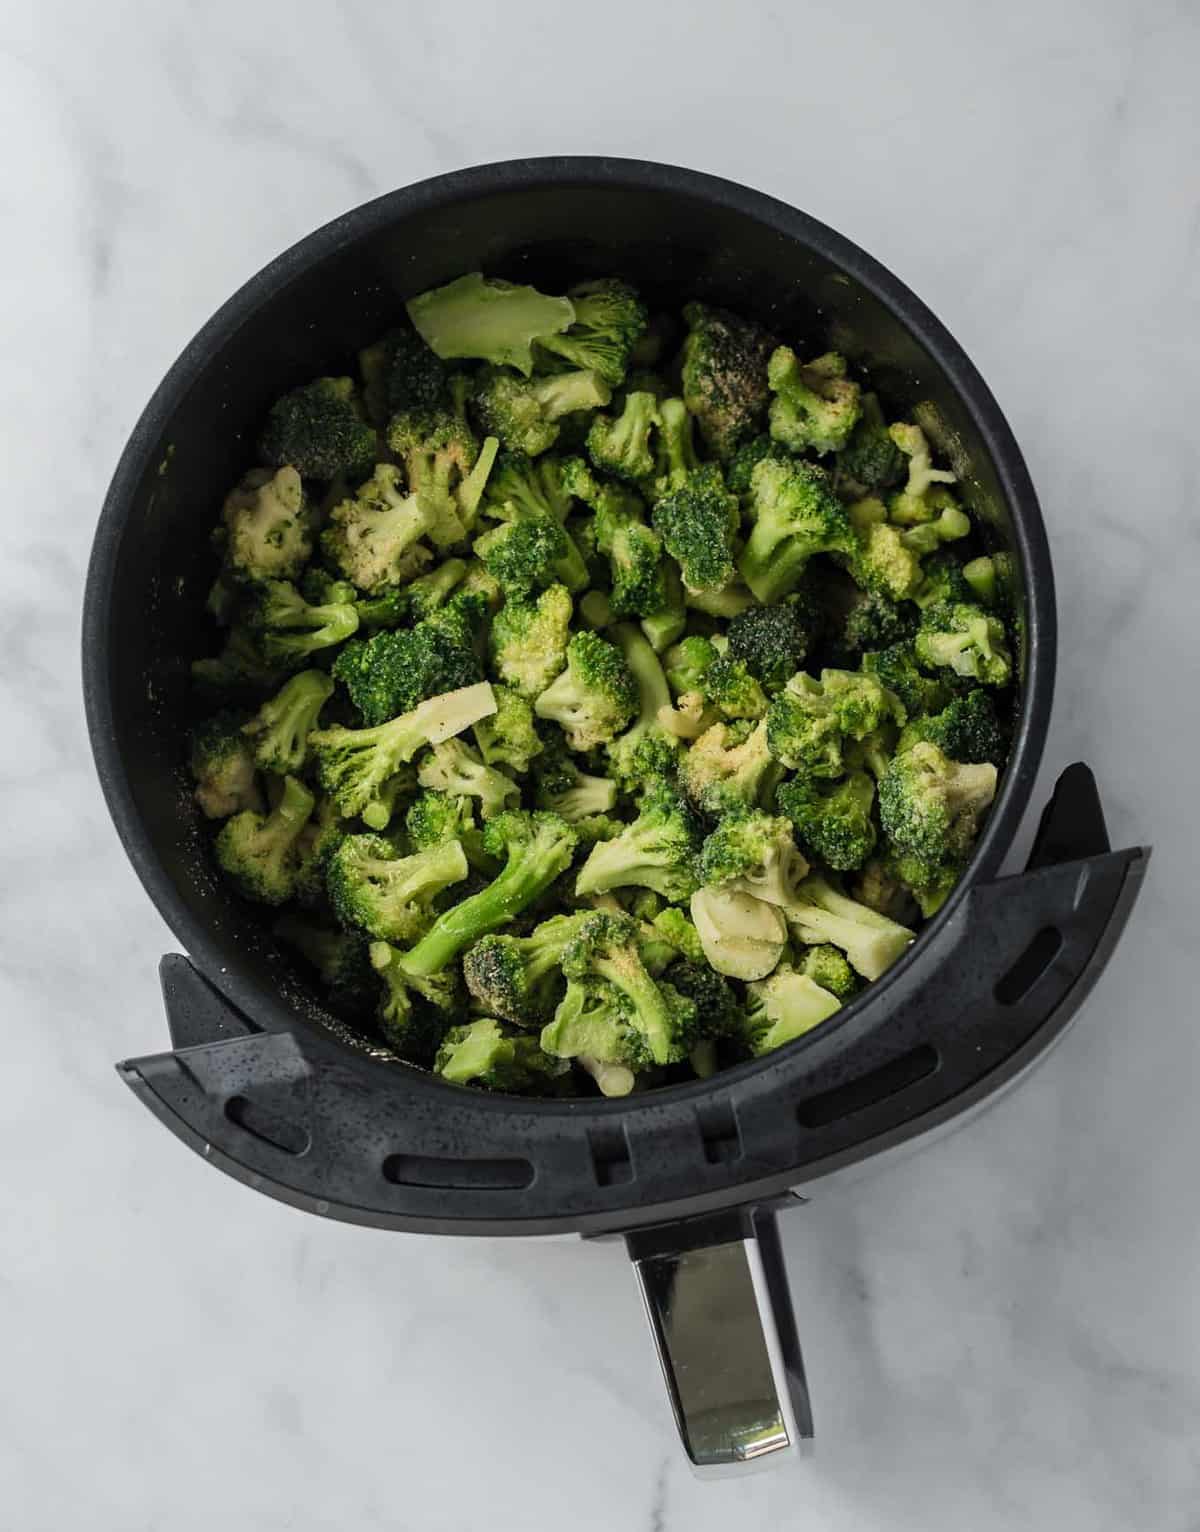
x: 609, y: 321
x: 828, y: 967
x: 728, y: 766
x: 657, y: 851
x: 394, y: 670
x: 222, y: 765
x: 754, y: 853
x: 646, y: 749
x: 374, y: 537
x: 434, y: 817
x: 796, y: 515
x: 606, y: 947
x: 267, y: 526
x: 319, y: 431
x: 930, y: 807
x: 525, y: 412
x: 919, y: 500
x: 698, y: 521
x: 870, y: 461
x: 820, y: 914
x: 815, y: 406
x: 965, y: 639
x: 509, y: 736
x: 289, y: 631
x: 530, y: 553
x: 783, y: 1007
x: 595, y: 697
x: 967, y: 729
x: 594, y: 1025
x: 724, y: 372
x: 375, y: 889
x: 565, y: 790
x: 833, y: 820
x: 528, y: 641
x: 621, y: 446
x: 261, y: 852
x: 491, y: 1055
x: 516, y: 977
x: 774, y: 641
x: 809, y: 721
x: 279, y: 730
x: 400, y: 372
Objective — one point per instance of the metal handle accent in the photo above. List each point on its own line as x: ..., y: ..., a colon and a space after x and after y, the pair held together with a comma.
x: 715, y: 1291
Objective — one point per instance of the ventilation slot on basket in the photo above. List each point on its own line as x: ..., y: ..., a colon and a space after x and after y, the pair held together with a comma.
x: 457, y: 1175
x: 869, y: 1089
x: 719, y: 1132
x: 1030, y: 966
x: 610, y: 1156
x: 264, y: 1122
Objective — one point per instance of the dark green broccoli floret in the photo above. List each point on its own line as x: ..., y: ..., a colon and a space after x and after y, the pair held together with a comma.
x: 395, y: 669
x: 621, y: 446
x: 724, y: 372
x: 815, y: 405
x: 967, y: 729
x: 719, y: 1012
x: 594, y: 1025
x: 876, y: 622
x: 774, y: 641
x: 397, y: 605
x: 289, y: 630
x: 524, y: 412
x: 509, y: 737
x: 745, y: 460
x: 646, y: 749
x: 400, y: 372
x: 484, y: 317
x: 222, y: 764
x: 528, y: 641
x: 896, y: 668
x: 755, y: 853
x: 319, y: 431
x: 537, y: 848
x: 610, y: 318
x: 606, y: 947
x: 729, y: 765
x: 698, y: 521
x: 796, y: 514
x: 374, y: 537
x: 930, y: 807
x: 965, y: 639
x: 523, y: 486
x: 595, y: 697
x: 564, y: 789
x: 261, y: 852
x: 530, y: 553
x: 820, y: 914
x: 633, y: 550
x: 833, y: 821
x: 515, y: 977
x: 783, y: 1007
x: 826, y: 966
x: 490, y: 1055
x: 267, y: 529
x: 809, y: 721
x: 943, y: 578
x: 279, y: 730
x: 390, y: 896
x: 434, y: 817
x: 657, y: 851
x: 870, y: 460
x: 340, y: 958
x: 453, y: 767
x: 357, y: 766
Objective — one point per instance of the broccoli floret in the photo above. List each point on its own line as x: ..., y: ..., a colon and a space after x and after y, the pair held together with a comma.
x: 529, y: 554
x: 698, y: 522
x: 646, y: 749
x: 871, y: 941
x: 488, y: 1054
x: 633, y: 550
x: 942, y: 580
x: 719, y: 1013
x: 833, y: 821
x: 981, y: 576
x: 524, y: 412
x: 261, y: 852
x: 742, y: 936
x: 688, y: 662
x: 528, y: 641
x: 774, y: 641
x: 537, y: 848
x: 389, y: 896
x: 453, y: 767
x: 745, y: 460
x: 396, y: 605
x: 826, y: 966
x: 816, y: 406
x: 875, y: 622
x: 339, y: 957
x: 729, y: 765
x: 515, y: 977
x: 949, y: 525
x: 966, y: 639
x: 610, y: 318
x: 675, y: 448
x: 565, y: 790
x: 508, y: 737
x: 391, y: 672
x: 319, y: 431
x: 621, y: 446
x: 268, y: 529
x: 674, y: 927
x: 896, y: 668
x: 484, y: 317
x: 664, y: 626
x: 606, y: 947
x: 967, y: 729
x: 913, y: 504
x: 414, y: 1011
x: 729, y: 685
x: 374, y: 537
x: 595, y: 697
x: 400, y: 372
x: 240, y: 672
x: 882, y: 562
x: 222, y: 764
x: 439, y: 451
x: 809, y: 721
x: 784, y: 1007
x: 594, y: 1025
x: 657, y: 851
x: 434, y: 817
x: 279, y: 730
x: 289, y: 630
x: 754, y: 853
x: 879, y: 886
x: 523, y: 486
x: 870, y: 460
x: 930, y: 807
x: 724, y: 373
x: 356, y: 766
x: 690, y: 716
x: 796, y: 514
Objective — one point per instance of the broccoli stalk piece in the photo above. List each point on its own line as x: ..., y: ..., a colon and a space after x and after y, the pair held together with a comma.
x: 319, y: 431
x: 606, y: 947
x: 509, y: 737
x: 784, y: 1007
x: 742, y: 936
x: 537, y: 848
x: 656, y: 851
x: 525, y: 412
x: 356, y: 766
x: 268, y: 530
x: 753, y: 853
x: 528, y: 641
x: 724, y: 375
x: 663, y: 627
x: 816, y: 406
x: 962, y: 637
x: 594, y: 1026
x: 914, y: 503
x: 374, y: 537
x: 290, y: 630
x: 833, y: 821
x: 222, y: 764
x: 870, y: 461
x: 728, y: 766
x: 514, y: 977
x: 453, y: 767
x: 809, y: 721
x: 949, y: 525
x: 871, y: 942
x: 621, y: 446
x: 595, y: 697
x: 981, y: 577
x: 483, y: 317
x: 488, y: 1054
x: 390, y: 896
x: 698, y: 521
x: 796, y: 514
x: 609, y: 321
x: 646, y: 749
x: 261, y: 852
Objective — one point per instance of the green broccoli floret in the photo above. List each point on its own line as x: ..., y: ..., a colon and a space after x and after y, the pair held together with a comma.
x: 740, y: 471
x: 356, y: 766
x: 826, y: 966
x: 646, y: 749
x: 531, y: 553
x: 279, y: 730
x: 394, y: 670
x: 606, y: 947
x: 882, y: 562
x: 896, y: 668
x: 595, y: 697
x: 415, y: 1011
x: 439, y: 451
x: 871, y: 941
x: 657, y: 851
x: 729, y: 685
x: 509, y: 737
x: 400, y: 372
x: 621, y: 446
x: 222, y: 764
x: 724, y: 373
x: 490, y: 1055
x: 754, y: 853
x: 261, y: 852
x: 930, y: 807
x: 390, y: 896
x: 268, y: 528
x: 949, y: 525
x: 525, y: 412
x: 453, y: 767
x: 633, y: 550
x: 809, y: 721
x: 675, y: 448
x: 774, y: 641
x: 434, y: 817
x: 374, y: 537
x: 240, y: 672
x: 289, y: 630
x: 664, y: 626
x: 942, y: 580
x: 796, y: 514
x: 729, y: 765
x: 816, y: 406
x: 875, y: 622
x: 565, y: 790
x: 870, y: 460
x: 833, y: 821
x: 397, y: 605
x: 594, y: 1025
x: 913, y: 504
x: 698, y: 521
x: 528, y: 641
x: 515, y: 977
x: 981, y: 576
x: 783, y: 1007
x: 688, y: 662
x: 319, y: 431
x: 537, y: 848
x: 484, y: 317
x: 339, y: 957
x: 523, y: 486
x: 967, y: 729
x: 879, y: 885
x: 610, y: 319
x: 966, y: 639
x: 674, y: 927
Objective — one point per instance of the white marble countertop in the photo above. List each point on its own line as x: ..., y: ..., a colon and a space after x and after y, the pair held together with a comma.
x: 1002, y: 1331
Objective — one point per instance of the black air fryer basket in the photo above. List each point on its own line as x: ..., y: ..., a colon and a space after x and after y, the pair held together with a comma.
x: 266, y: 1084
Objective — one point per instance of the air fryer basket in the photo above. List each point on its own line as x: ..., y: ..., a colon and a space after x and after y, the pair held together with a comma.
x: 266, y: 1083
